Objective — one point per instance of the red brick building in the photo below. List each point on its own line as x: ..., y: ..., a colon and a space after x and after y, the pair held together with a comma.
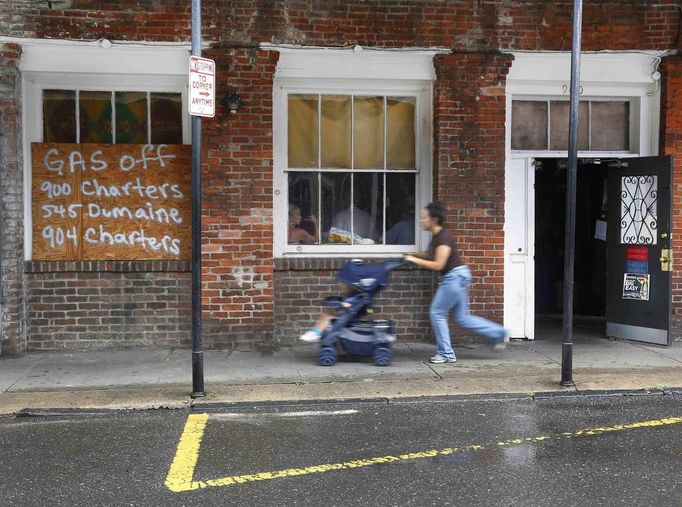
x: 368, y: 108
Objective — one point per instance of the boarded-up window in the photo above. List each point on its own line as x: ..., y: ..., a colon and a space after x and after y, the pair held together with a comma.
x: 610, y: 126
x: 529, y: 125
x: 118, y: 202
x: 559, y: 112
x: 543, y: 125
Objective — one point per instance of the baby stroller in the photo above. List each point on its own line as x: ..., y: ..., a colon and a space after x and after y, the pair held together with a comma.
x: 359, y: 334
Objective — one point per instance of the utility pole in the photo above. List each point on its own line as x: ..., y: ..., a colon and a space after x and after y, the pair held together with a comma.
x: 197, y: 342
x: 571, y: 190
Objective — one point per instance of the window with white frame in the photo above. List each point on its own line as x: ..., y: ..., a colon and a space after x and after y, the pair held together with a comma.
x: 351, y: 169
x: 352, y: 150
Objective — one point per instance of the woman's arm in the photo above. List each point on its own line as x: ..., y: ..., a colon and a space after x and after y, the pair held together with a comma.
x: 441, y: 259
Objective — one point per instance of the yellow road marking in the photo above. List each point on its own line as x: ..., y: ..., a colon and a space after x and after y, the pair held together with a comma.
x: 181, y: 473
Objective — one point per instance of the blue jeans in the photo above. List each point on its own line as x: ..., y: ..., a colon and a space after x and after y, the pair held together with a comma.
x: 453, y: 294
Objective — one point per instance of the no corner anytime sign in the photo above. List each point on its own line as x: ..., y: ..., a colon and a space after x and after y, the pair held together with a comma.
x: 201, y: 87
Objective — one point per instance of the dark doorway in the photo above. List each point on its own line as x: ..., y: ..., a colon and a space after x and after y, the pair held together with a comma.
x: 590, y: 242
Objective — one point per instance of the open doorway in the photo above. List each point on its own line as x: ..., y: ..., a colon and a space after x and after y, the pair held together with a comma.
x: 590, y: 247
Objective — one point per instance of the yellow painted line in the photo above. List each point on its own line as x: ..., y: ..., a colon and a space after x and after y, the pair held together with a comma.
x: 181, y: 473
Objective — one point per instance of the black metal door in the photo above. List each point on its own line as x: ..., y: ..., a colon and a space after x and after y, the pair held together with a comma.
x: 639, y: 263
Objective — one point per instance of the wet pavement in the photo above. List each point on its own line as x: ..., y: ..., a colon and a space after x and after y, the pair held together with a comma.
x: 561, y: 450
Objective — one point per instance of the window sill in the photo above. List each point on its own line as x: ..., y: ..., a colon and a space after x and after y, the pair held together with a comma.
x: 326, y: 263
x: 148, y: 266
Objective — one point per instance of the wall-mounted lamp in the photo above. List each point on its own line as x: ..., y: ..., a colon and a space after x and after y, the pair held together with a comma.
x: 234, y: 102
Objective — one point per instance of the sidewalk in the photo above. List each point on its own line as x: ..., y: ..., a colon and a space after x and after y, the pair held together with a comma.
x: 162, y: 378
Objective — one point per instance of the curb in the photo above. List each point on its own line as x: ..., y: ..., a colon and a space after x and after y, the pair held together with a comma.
x: 255, y: 405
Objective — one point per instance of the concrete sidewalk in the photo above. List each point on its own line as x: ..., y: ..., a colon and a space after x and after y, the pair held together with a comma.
x: 162, y: 378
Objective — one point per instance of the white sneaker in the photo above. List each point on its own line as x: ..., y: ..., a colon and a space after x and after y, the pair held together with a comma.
x: 438, y: 359
x: 310, y: 336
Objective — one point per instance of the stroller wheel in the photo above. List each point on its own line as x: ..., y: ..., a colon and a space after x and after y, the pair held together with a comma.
x: 383, y: 356
x: 327, y: 356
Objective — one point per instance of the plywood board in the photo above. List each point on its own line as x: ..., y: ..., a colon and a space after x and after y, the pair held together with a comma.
x: 133, y: 201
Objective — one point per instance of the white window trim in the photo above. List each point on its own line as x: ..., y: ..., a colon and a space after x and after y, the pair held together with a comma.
x: 603, y: 75
x: 97, y: 67
x: 351, y: 71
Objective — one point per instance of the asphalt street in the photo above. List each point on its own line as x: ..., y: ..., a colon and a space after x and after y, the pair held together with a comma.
x: 579, y: 450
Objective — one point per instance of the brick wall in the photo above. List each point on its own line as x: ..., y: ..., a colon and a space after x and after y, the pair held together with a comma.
x: 470, y: 161
x: 11, y: 202
x: 242, y: 304
x: 302, y: 284
x: 87, y: 305
x: 237, y: 205
x: 671, y: 144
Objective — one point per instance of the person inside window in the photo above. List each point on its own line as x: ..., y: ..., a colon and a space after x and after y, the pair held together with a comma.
x: 296, y: 233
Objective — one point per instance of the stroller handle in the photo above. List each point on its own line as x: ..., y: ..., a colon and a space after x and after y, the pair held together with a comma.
x: 392, y: 264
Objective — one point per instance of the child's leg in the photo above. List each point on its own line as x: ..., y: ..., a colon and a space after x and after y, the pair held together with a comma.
x: 323, y: 321
x: 317, y: 331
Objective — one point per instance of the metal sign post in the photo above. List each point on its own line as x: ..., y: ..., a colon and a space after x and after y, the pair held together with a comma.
x: 197, y: 345
x: 571, y: 186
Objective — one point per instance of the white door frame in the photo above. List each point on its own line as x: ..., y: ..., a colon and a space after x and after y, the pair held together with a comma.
x: 618, y: 75
x: 519, y: 248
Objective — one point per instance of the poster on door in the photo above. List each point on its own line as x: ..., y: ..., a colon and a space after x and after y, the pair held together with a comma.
x: 636, y: 286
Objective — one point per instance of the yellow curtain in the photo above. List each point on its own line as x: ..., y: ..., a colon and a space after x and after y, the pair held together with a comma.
x: 400, y: 137
x: 369, y: 132
x: 303, y: 138
x: 336, y: 133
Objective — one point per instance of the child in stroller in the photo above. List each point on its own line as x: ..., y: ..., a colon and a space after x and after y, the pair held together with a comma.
x: 357, y: 335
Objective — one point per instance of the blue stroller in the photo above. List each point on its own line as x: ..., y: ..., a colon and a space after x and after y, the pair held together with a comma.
x: 360, y: 336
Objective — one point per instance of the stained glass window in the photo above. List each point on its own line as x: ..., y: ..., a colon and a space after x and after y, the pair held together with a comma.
x: 95, y: 117
x: 130, y: 117
x: 166, y: 111
x: 59, y: 116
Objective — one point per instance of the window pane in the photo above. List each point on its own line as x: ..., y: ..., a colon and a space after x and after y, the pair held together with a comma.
x: 335, y: 133
x: 610, y: 126
x: 303, y: 212
x: 303, y: 133
x: 166, y: 109
x: 559, y: 113
x: 59, y: 116
x: 131, y: 117
x: 336, y: 208
x: 368, y: 207
x: 400, y: 209
x: 400, y: 138
x: 529, y: 125
x: 368, y: 133
x: 95, y: 117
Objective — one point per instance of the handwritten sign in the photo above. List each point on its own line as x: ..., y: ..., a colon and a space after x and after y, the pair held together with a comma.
x: 122, y: 202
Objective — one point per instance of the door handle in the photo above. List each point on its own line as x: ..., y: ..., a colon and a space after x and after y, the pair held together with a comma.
x: 666, y: 259
x: 664, y: 236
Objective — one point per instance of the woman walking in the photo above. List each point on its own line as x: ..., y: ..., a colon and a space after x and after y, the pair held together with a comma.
x: 453, y: 287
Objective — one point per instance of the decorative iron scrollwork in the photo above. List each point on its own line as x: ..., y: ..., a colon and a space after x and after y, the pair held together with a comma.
x: 639, y: 218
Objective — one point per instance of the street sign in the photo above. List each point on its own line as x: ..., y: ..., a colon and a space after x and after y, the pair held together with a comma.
x: 201, y: 87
